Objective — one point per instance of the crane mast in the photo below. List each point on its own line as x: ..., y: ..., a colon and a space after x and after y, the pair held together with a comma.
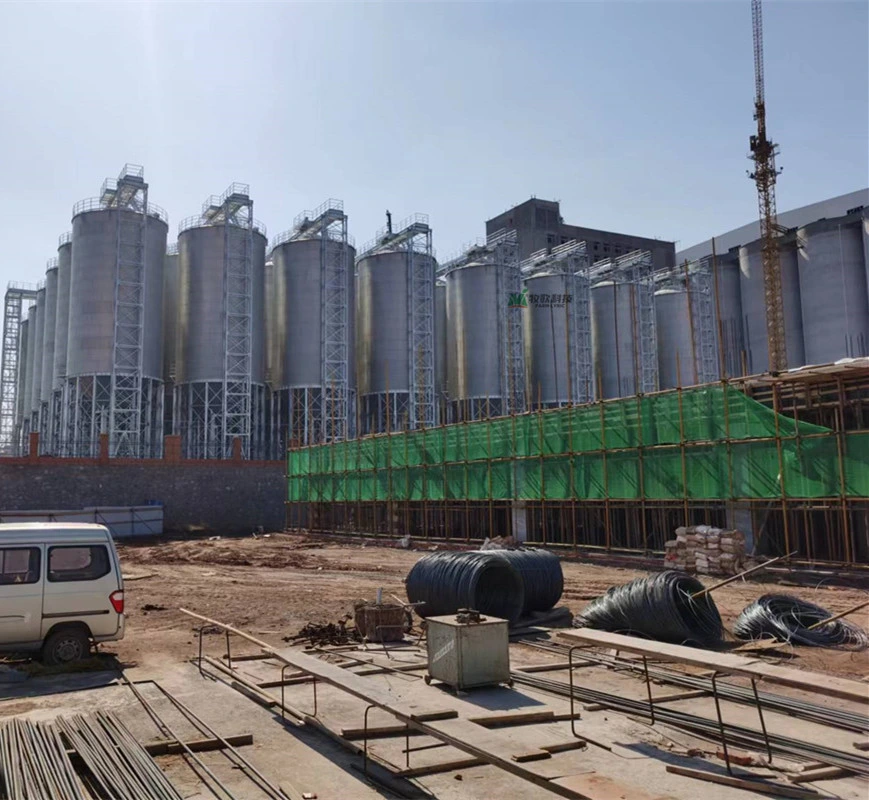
x: 763, y: 153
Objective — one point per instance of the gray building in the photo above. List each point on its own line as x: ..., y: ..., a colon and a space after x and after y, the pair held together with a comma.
x: 539, y: 225
x: 838, y: 206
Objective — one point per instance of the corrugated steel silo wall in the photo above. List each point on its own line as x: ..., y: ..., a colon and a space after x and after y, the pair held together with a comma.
x: 835, y: 308
x: 49, y: 334
x: 474, y: 351
x: 382, y: 324
x: 39, y: 343
x: 440, y: 328
x: 676, y: 357
x: 614, y: 339
x: 727, y: 305
x: 170, y: 314
x: 546, y: 350
x: 92, y: 286
x: 28, y: 362
x: 201, y: 354
x: 21, y: 378
x: 754, y: 307
x: 61, y: 333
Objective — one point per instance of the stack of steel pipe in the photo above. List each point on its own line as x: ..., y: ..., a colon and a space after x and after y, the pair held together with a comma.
x: 34, y: 763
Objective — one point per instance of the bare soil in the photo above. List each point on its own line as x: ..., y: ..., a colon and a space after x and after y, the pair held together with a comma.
x: 271, y: 586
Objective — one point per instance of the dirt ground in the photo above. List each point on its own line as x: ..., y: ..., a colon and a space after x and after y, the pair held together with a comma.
x: 271, y: 586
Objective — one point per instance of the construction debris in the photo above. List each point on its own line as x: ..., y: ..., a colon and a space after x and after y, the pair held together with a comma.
x: 326, y: 633
x: 706, y: 550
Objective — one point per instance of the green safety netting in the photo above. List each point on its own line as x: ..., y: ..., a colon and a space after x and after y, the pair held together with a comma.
x: 708, y: 443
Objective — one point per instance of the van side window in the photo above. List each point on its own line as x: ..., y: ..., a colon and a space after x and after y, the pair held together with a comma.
x: 77, y: 563
x: 19, y: 565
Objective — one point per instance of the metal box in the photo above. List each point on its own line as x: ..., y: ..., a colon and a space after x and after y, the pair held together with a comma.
x: 466, y: 654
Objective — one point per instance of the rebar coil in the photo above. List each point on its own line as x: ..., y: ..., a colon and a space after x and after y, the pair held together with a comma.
x: 787, y: 619
x: 659, y: 607
x: 445, y: 582
x: 541, y: 575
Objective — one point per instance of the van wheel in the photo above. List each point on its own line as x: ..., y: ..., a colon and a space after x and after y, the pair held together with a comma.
x: 66, y: 645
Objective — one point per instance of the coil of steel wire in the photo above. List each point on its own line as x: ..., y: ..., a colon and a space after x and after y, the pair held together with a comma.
x: 445, y: 582
x: 541, y: 573
x: 659, y: 607
x: 788, y: 619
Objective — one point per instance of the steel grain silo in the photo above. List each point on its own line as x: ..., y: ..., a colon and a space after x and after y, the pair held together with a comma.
x: 115, y: 341
x: 440, y: 320
x: 61, y: 337
x: 558, y: 351
x: 36, y: 375
x: 676, y: 351
x: 624, y: 337
x: 754, y: 306
x: 395, y: 347
x: 728, y: 314
x: 46, y: 421
x: 485, y: 331
x: 27, y: 394
x: 220, y: 369
x: 835, y: 302
x: 311, y: 329
x: 21, y: 382
x: 170, y: 333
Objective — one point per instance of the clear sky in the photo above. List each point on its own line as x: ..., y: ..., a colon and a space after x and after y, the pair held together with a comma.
x: 636, y: 115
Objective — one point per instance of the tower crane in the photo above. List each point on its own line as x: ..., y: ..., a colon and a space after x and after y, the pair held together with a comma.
x: 763, y: 153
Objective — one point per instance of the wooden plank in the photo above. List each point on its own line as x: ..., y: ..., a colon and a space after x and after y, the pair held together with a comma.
x: 755, y: 786
x: 164, y: 748
x: 508, y: 718
x: 537, y: 754
x: 815, y: 683
x: 562, y: 747
x: 375, y: 732
x: 445, y: 766
x: 595, y: 786
x: 822, y: 774
x: 477, y: 742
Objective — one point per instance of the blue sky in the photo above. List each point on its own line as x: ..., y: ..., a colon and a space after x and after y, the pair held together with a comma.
x: 636, y: 115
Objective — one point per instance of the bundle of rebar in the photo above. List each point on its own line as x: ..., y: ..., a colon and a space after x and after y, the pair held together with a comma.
x: 789, y: 619
x: 35, y: 765
x: 667, y: 607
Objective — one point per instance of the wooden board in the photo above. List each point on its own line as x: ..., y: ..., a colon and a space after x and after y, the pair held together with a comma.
x: 726, y: 662
x: 754, y: 786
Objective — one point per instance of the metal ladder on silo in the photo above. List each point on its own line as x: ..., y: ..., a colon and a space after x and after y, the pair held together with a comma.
x: 505, y: 250
x: 129, y: 194
x: 237, y: 210
x: 579, y: 314
x: 331, y: 223
x: 13, y: 308
x: 700, y: 293
x: 420, y: 308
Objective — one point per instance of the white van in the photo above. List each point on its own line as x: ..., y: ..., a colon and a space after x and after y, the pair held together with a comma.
x: 60, y: 589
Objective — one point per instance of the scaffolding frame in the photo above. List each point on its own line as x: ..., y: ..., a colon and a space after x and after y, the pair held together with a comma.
x: 418, y: 406
x: 636, y: 271
x: 572, y: 261
x: 10, y: 362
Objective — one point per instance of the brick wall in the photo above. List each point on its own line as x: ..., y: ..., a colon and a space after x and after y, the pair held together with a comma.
x: 232, y: 496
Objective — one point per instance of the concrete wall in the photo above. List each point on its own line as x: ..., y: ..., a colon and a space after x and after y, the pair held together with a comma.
x: 218, y: 496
